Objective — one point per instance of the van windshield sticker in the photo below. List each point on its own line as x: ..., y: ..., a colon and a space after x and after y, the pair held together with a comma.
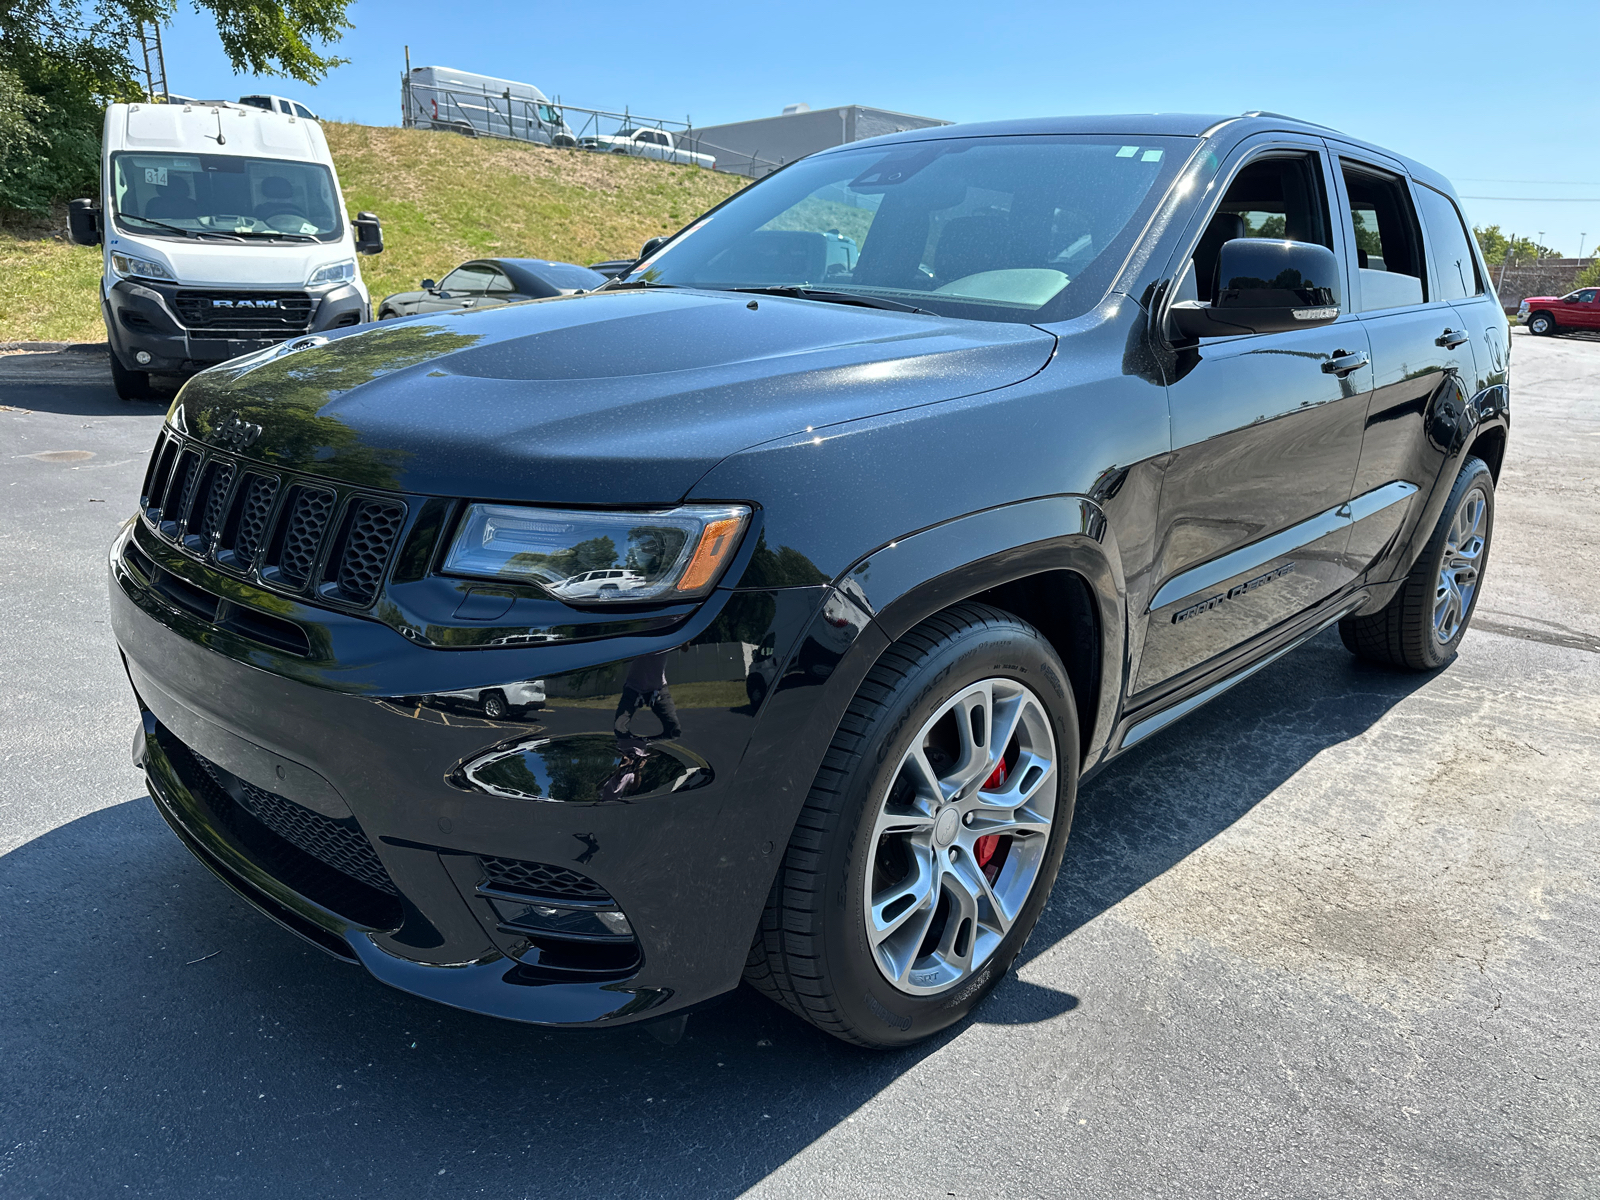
x: 156, y: 175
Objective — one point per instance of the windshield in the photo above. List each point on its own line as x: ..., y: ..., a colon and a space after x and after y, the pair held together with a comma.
x: 193, y: 195
x: 569, y: 275
x: 1030, y: 228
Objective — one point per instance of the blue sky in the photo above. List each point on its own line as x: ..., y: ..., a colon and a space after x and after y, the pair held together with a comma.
x: 1451, y: 84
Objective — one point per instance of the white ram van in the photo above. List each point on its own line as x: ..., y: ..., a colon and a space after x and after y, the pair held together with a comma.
x: 224, y: 233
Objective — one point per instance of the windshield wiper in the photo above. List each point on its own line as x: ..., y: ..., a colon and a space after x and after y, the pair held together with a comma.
x: 189, y: 233
x: 616, y: 285
x: 274, y: 236
x: 800, y: 292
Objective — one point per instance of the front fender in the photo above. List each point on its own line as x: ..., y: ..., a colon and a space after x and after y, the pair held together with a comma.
x: 910, y: 579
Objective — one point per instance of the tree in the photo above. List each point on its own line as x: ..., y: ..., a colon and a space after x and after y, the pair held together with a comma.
x: 62, y: 62
x: 1495, y: 244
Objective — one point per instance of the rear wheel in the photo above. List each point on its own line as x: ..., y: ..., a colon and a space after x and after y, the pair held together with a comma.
x: 931, y: 836
x: 130, y: 385
x: 494, y: 706
x: 1423, y: 625
x: 1542, y: 324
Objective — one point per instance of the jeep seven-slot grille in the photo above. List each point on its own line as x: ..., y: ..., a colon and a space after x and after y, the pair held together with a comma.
x: 285, y: 532
x: 223, y: 313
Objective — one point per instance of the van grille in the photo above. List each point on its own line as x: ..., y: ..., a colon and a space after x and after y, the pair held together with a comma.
x: 249, y: 313
x: 284, y: 532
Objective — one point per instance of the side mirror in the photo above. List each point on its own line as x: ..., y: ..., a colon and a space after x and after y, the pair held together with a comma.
x: 83, y: 222
x: 1265, y: 286
x: 651, y: 247
x: 428, y: 285
x: 369, y: 233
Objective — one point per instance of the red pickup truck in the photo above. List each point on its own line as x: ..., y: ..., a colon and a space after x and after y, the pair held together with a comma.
x: 1545, y: 315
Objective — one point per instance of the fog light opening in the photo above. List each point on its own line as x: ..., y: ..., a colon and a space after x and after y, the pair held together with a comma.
x: 142, y: 358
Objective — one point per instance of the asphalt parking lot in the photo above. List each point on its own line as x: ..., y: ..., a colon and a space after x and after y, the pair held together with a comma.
x: 1337, y: 934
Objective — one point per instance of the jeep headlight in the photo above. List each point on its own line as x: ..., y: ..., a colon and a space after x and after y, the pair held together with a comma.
x: 339, y: 272
x: 600, y: 557
x: 129, y: 266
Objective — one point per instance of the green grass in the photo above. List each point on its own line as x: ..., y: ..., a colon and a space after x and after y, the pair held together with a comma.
x: 443, y: 198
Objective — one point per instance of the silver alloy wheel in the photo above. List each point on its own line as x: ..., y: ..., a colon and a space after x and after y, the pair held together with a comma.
x: 1461, y: 567
x: 933, y: 913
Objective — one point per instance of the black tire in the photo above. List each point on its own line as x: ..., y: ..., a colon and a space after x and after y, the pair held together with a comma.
x: 1542, y: 324
x: 130, y: 385
x: 810, y: 953
x: 1402, y: 633
x: 387, y: 314
x: 494, y: 706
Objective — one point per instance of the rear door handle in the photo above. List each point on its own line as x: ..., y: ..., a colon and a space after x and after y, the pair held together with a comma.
x: 1343, y: 362
x: 1451, y: 338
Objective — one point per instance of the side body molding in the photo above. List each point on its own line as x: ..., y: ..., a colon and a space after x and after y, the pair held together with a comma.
x: 901, y: 583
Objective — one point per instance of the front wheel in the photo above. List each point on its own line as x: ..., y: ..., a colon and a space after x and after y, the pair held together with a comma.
x: 1542, y: 324
x: 1422, y: 627
x: 130, y: 385
x: 931, y: 837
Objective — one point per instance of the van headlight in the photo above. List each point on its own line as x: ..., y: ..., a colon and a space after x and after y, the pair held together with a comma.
x: 128, y: 266
x: 339, y: 272
x: 600, y: 557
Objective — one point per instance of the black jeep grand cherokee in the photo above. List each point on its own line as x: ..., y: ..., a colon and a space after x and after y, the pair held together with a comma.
x: 757, y: 616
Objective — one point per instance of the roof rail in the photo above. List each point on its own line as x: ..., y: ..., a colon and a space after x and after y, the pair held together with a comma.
x: 1261, y: 112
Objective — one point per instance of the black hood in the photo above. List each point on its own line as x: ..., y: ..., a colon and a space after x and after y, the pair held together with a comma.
x: 606, y: 398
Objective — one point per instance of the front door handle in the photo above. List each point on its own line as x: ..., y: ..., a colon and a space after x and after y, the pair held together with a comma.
x: 468, y: 303
x: 1451, y: 338
x: 1343, y: 362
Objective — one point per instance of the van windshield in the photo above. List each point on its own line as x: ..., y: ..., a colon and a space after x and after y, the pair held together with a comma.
x: 192, y: 195
x: 1021, y: 229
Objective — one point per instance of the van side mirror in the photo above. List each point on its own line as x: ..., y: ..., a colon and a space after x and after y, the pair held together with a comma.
x: 1265, y: 286
x: 651, y: 247
x: 369, y: 233
x: 83, y: 222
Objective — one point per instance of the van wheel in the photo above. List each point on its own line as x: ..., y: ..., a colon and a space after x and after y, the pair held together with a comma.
x: 130, y: 385
x: 1422, y: 627
x: 1542, y: 324
x: 931, y: 836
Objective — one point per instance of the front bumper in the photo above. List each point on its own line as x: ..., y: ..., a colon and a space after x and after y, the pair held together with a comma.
x: 142, y: 318
x: 441, y: 791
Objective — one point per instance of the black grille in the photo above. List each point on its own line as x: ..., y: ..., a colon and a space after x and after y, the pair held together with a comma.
x: 270, y: 526
x: 247, y: 312
x: 181, y: 490
x: 373, y: 530
x: 308, y: 521
x: 542, y: 879
x: 254, y: 509
x: 339, y: 844
x: 219, y: 480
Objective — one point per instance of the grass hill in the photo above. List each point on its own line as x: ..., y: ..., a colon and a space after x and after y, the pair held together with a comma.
x: 443, y: 198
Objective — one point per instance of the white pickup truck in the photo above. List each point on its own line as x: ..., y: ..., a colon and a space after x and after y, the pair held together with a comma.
x: 647, y: 143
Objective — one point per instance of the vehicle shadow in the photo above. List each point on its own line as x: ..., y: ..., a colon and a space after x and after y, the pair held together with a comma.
x: 163, y: 1038
x: 74, y: 381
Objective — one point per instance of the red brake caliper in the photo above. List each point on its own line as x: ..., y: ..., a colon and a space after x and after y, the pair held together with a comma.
x: 985, y: 846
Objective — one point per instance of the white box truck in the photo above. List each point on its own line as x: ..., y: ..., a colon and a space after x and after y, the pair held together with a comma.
x: 463, y: 102
x: 224, y: 232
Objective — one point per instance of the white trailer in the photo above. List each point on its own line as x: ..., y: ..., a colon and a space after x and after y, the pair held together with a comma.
x: 481, y: 105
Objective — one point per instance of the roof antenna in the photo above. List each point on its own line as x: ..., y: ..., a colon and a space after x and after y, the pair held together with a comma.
x: 221, y: 141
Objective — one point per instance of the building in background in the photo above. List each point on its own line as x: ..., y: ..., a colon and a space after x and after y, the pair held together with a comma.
x: 759, y: 147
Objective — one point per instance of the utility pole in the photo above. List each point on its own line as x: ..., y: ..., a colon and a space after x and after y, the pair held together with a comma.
x: 1581, y: 236
x: 1505, y: 259
x: 155, y: 63
x: 1538, y: 247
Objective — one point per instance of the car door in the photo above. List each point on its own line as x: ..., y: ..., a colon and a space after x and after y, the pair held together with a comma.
x: 1460, y: 278
x: 1266, y: 433
x: 462, y: 288
x: 1586, y: 309
x: 1422, y: 363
